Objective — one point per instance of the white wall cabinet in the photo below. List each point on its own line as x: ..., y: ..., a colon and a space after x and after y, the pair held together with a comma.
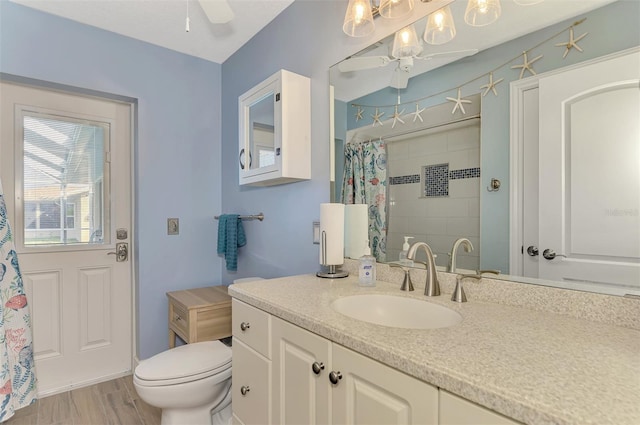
x: 275, y: 131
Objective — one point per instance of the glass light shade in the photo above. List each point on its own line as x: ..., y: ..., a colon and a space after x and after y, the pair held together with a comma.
x: 395, y: 8
x: 406, y: 43
x: 482, y: 12
x: 358, y: 21
x: 440, y: 27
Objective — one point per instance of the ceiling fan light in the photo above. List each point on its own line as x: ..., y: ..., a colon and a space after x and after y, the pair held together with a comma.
x: 482, y: 12
x: 358, y: 21
x: 406, y: 43
x: 395, y: 8
x: 440, y: 27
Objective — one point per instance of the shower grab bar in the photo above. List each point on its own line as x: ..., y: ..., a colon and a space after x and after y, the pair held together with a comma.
x: 259, y: 216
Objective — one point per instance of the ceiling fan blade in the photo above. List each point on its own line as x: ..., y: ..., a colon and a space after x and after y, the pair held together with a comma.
x: 363, y: 62
x: 458, y: 53
x: 400, y: 78
x: 218, y: 11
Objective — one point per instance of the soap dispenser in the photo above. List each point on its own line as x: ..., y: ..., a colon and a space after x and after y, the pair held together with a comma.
x: 403, y: 254
x: 367, y: 268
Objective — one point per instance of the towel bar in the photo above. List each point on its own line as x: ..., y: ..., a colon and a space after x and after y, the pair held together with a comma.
x: 259, y: 216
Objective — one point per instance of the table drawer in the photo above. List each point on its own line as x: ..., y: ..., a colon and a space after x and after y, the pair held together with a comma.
x: 179, y: 320
x: 252, y: 326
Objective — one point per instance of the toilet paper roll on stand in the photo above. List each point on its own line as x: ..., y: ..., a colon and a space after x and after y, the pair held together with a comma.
x: 332, y: 239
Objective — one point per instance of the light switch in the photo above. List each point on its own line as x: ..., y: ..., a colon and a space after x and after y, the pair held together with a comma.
x: 173, y: 226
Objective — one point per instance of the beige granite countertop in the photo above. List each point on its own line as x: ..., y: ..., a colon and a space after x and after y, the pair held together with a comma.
x: 532, y: 365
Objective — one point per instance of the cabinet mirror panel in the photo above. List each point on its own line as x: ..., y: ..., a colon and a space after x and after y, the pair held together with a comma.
x: 262, y: 144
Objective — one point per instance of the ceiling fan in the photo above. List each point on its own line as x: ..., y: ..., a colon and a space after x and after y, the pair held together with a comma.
x: 401, y: 73
x: 217, y: 11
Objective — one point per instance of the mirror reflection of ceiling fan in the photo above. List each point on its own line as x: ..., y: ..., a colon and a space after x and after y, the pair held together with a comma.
x: 217, y: 11
x: 402, y: 72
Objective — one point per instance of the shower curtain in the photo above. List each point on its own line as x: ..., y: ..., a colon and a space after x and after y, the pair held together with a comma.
x: 17, y: 371
x: 365, y: 182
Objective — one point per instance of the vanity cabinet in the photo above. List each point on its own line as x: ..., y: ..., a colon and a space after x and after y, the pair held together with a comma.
x: 318, y: 381
x: 275, y: 131
x: 455, y: 410
x: 251, y: 376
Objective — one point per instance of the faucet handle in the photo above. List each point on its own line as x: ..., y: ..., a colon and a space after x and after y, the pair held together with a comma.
x: 458, y: 293
x: 407, y: 285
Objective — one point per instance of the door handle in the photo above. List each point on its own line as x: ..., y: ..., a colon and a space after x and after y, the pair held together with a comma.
x: 532, y: 251
x: 550, y: 254
x: 121, y: 252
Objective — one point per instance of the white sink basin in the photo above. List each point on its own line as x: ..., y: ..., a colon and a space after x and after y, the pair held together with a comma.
x: 397, y: 312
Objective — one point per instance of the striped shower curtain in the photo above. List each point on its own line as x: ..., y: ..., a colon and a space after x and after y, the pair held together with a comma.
x: 365, y: 182
x: 17, y: 371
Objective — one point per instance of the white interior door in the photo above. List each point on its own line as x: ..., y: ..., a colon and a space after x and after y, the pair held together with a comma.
x: 66, y: 169
x: 589, y: 217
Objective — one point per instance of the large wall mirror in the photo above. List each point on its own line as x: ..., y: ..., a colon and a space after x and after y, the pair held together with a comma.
x: 440, y: 126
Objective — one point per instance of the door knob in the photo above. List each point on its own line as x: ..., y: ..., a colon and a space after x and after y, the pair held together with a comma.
x: 317, y: 367
x: 532, y: 251
x: 550, y: 254
x: 335, y: 377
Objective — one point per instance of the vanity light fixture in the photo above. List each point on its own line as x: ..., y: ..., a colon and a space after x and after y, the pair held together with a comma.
x: 406, y: 43
x: 482, y: 12
x: 440, y: 27
x: 358, y: 21
x: 395, y: 8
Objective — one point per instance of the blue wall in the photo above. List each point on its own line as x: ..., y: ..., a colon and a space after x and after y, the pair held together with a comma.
x: 177, y: 149
x: 602, y: 39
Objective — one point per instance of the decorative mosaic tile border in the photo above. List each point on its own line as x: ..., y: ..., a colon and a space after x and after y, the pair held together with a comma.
x: 465, y: 173
x: 436, y: 180
x: 415, y: 178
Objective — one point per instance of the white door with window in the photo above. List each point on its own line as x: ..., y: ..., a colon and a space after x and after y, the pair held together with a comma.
x: 65, y: 164
x: 587, y: 196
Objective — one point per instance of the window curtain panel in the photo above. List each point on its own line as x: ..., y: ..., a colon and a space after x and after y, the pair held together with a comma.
x: 365, y: 182
x: 17, y: 370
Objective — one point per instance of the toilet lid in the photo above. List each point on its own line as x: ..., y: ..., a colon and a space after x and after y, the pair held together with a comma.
x: 184, y: 361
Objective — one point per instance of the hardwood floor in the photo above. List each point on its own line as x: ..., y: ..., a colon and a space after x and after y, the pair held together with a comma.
x: 108, y: 403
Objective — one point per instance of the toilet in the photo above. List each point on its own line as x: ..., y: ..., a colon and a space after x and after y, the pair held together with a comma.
x: 190, y: 383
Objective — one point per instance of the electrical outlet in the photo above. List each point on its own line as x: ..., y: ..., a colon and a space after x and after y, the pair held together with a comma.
x: 173, y: 226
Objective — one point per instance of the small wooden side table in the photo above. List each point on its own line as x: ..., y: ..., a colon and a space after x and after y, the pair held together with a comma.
x: 200, y: 314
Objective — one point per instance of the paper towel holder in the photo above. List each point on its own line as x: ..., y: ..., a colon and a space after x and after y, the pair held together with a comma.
x: 332, y: 272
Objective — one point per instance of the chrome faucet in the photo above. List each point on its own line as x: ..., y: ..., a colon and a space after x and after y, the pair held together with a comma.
x: 468, y: 247
x: 432, y: 286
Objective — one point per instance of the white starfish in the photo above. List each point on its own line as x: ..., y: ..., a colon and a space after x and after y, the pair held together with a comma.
x: 526, y: 64
x: 417, y: 113
x: 376, y: 117
x: 491, y: 85
x: 459, y: 101
x: 396, y: 117
x: 572, y: 43
x: 359, y: 114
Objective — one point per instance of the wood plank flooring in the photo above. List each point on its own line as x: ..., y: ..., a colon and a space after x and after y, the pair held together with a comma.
x: 108, y: 403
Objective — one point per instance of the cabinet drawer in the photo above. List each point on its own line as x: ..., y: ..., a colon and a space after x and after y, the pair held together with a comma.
x: 179, y: 320
x: 252, y: 326
x: 251, y: 372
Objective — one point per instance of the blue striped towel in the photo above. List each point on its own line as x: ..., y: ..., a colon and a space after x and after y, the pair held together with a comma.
x: 230, y: 237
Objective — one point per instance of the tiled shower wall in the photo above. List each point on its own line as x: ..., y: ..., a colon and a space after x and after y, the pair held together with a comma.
x: 445, y: 215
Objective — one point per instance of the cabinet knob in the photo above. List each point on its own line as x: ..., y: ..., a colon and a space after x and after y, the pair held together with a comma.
x: 334, y: 377
x: 317, y: 367
x: 244, y: 389
x: 244, y: 326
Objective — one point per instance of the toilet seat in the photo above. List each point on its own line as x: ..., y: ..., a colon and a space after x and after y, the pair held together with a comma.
x: 186, y: 363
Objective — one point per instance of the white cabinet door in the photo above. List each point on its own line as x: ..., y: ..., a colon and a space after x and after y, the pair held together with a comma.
x: 458, y: 411
x: 301, y: 388
x: 250, y: 385
x: 369, y: 392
